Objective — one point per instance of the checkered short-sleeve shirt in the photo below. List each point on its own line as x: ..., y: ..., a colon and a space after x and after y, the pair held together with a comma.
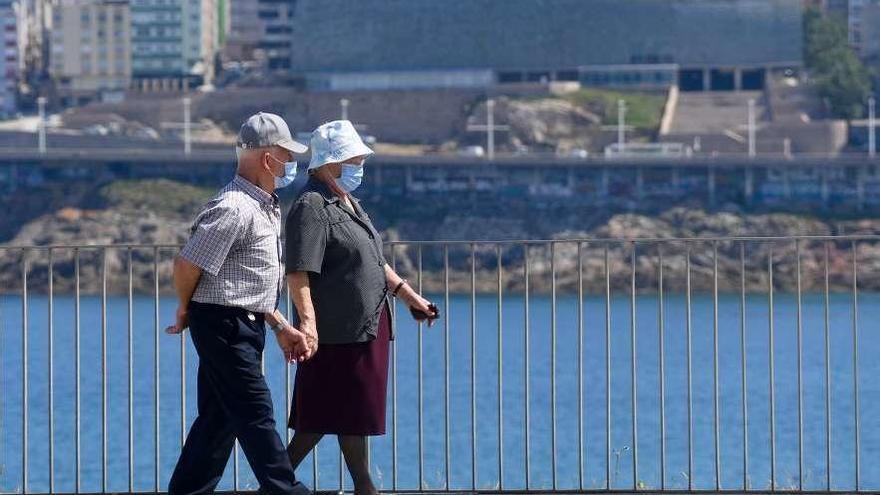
x: 236, y: 241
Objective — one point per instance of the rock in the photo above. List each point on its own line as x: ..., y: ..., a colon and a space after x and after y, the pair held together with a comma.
x: 549, y: 123
x: 69, y: 214
x: 92, y: 228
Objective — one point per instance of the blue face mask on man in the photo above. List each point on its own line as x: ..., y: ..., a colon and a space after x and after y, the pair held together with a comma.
x: 289, y: 174
x: 351, y: 177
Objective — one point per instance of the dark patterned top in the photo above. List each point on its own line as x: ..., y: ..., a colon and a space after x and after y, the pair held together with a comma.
x: 236, y: 241
x: 342, y: 253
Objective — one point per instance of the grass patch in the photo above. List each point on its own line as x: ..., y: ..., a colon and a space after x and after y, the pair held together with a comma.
x: 160, y: 196
x: 644, y: 110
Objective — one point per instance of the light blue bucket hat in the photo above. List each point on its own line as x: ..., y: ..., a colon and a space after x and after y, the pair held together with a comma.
x: 335, y: 142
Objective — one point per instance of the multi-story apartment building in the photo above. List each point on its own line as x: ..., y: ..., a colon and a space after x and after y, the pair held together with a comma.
x: 244, y: 30
x: 90, y: 48
x: 173, y: 42
x: 9, y: 60
x: 276, y: 25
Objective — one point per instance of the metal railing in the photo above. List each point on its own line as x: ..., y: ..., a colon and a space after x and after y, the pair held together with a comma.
x: 640, y: 378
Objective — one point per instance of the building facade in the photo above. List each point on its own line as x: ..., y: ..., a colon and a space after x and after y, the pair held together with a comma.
x: 862, y: 19
x: 864, y: 28
x: 244, y: 30
x: 173, y: 43
x: 468, y: 43
x: 276, y: 42
x: 9, y: 61
x: 90, y: 49
x: 260, y: 31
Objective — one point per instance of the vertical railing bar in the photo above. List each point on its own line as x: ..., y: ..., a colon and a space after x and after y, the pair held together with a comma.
x: 446, y: 405
x: 24, y: 371
x: 51, y: 376
x: 526, y: 415
x: 742, y: 341
x: 473, y: 366
x: 771, y: 352
x: 104, y: 372
x: 855, y: 334
x: 420, y: 389
x: 553, y: 363
x: 287, y: 391
x: 580, y: 363
x: 688, y: 322
x: 500, y: 372
x: 607, y: 371
x: 182, y: 388
x: 4, y: 385
x: 130, y: 372
x: 827, y: 373
x: 634, y: 374
x: 341, y: 473
x: 800, y: 352
x: 715, y: 366
x: 393, y: 393
x: 235, y: 473
x: 235, y: 476
x: 76, y: 366
x: 287, y: 370
x: 661, y: 317
x: 314, y: 466
x: 156, y: 366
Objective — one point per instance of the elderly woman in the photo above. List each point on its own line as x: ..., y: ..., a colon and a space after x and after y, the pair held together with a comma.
x: 340, y: 284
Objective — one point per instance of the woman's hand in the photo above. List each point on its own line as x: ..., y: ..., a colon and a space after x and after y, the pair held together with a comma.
x: 420, y: 307
x: 418, y: 303
x: 310, y: 331
x: 293, y: 344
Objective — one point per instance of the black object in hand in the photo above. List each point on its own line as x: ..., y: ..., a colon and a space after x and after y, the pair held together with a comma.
x: 420, y: 315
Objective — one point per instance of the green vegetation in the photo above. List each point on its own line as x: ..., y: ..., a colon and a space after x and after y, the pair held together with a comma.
x: 644, y: 110
x: 840, y: 75
x: 160, y: 196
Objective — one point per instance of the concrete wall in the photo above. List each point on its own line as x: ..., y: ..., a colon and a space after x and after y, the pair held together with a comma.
x: 430, y: 116
x: 840, y: 185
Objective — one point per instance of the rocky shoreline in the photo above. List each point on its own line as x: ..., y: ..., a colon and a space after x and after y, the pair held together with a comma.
x: 123, y: 227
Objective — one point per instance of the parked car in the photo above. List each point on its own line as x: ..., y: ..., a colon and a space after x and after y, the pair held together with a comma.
x: 477, y: 151
x: 579, y: 153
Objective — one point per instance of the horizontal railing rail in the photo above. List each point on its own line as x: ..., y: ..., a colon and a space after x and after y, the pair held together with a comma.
x: 568, y: 365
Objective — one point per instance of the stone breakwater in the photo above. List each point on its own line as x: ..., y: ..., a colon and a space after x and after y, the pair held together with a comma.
x: 100, y: 227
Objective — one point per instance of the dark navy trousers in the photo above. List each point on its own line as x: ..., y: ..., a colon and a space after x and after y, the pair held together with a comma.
x: 233, y: 402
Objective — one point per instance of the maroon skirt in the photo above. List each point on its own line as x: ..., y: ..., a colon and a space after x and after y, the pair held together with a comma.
x: 342, y: 389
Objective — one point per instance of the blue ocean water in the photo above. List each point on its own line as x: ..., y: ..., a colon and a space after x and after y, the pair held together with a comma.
x: 571, y: 469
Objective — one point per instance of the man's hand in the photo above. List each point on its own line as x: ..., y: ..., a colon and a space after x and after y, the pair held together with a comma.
x: 293, y: 344
x: 180, y: 324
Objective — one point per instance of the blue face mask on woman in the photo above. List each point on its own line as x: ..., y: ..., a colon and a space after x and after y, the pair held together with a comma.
x: 351, y: 177
x: 289, y: 174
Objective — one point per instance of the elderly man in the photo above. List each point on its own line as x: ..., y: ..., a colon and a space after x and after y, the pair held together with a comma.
x: 228, y: 279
